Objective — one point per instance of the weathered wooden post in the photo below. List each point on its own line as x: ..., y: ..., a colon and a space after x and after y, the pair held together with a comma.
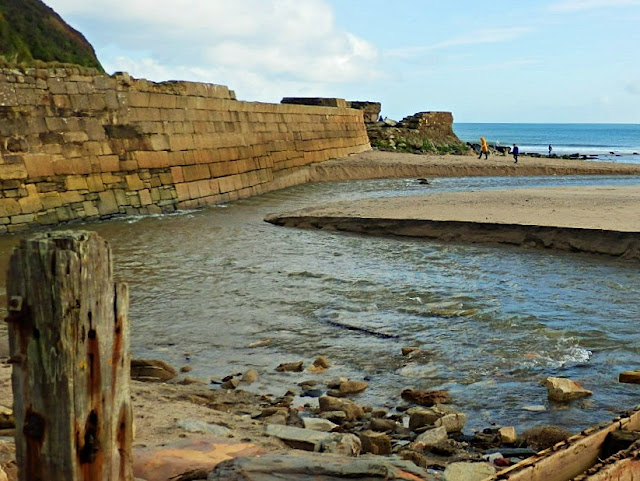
x: 69, y: 344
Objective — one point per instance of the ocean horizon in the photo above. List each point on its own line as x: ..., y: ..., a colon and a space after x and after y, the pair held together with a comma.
x: 606, y: 142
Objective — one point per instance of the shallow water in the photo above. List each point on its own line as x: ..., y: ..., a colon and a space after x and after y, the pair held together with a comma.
x: 492, y: 321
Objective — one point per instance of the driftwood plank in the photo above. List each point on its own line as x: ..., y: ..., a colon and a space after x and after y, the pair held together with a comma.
x: 69, y: 345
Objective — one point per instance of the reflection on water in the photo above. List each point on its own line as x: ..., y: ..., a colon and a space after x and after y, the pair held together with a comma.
x: 491, y: 321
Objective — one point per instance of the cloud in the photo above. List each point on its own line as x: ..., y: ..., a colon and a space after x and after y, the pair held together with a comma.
x: 569, y: 6
x: 479, y: 37
x: 261, y: 44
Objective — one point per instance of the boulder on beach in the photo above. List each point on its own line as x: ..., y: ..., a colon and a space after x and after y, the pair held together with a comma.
x: 290, y: 367
x: 426, y: 398
x: 351, y: 409
x: 562, y: 389
x: 151, y: 370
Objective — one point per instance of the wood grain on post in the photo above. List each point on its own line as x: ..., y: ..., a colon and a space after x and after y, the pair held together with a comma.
x: 69, y: 344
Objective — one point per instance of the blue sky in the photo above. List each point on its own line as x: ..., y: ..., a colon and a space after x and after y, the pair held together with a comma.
x: 499, y: 61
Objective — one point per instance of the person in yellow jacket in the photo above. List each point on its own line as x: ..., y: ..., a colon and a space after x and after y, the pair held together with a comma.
x: 484, y: 148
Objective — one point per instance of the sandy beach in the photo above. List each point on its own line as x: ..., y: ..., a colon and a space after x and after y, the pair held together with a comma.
x: 159, y: 407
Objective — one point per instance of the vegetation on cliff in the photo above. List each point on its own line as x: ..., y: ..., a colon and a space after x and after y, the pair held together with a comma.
x: 30, y: 31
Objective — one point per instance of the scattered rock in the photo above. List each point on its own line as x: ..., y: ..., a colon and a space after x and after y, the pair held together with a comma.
x: 198, y: 426
x: 408, y: 350
x: 382, y: 425
x: 318, y: 424
x: 468, y: 471
x: 302, y: 466
x: 508, y: 435
x: 630, y: 377
x: 342, y: 444
x: 320, y: 364
x: 298, y: 438
x: 335, y: 383
x: 348, y: 387
x: 151, y: 370
x: 261, y: 343
x: 290, y: 367
x: 426, y: 398
x: 375, y: 443
x: 430, y: 438
x: 338, y: 417
x: 543, y: 437
x: 351, y: 409
x: 535, y: 408
x: 230, y: 383
x: 250, y: 376
x: 453, y: 423
x: 562, y: 389
x: 421, y: 417
x: 186, y: 369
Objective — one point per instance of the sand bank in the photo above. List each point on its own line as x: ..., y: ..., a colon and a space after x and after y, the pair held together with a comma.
x: 601, y: 220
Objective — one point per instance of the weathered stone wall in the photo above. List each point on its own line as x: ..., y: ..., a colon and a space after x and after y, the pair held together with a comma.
x: 78, y: 145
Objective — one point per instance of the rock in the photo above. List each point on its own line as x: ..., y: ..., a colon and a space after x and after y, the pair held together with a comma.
x: 186, y: 369
x: 543, y: 437
x: 3, y: 475
x: 342, y: 444
x: 453, y: 423
x: 335, y: 383
x: 298, y: 438
x: 408, y: 350
x: 7, y: 420
x: 197, y: 426
x: 421, y: 417
x: 301, y: 466
x: 375, y: 443
x: 230, y: 384
x: 351, y: 409
x: 630, y: 377
x: 322, y: 361
x: 261, y: 343
x: 426, y: 398
x: 468, y: 471
x: 290, y: 367
x: 508, y: 435
x: 562, y: 389
x: 312, y: 393
x: 190, y: 380
x: 338, y: 417
x: 535, y: 408
x: 382, y: 425
x: 151, y: 370
x: 250, y: 376
x: 318, y: 424
x: 348, y: 387
x: 430, y: 438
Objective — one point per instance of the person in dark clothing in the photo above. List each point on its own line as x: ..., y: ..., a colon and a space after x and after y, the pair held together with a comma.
x: 515, y: 151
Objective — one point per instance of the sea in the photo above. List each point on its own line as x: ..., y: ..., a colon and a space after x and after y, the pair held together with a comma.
x: 603, y: 142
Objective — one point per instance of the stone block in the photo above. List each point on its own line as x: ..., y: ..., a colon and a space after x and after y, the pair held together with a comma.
x: 375, y: 443
x: 38, y: 165
x: 107, y: 204
x: 76, y: 182
x: 13, y: 171
x: 47, y: 218
x: 145, y: 197
x: 134, y: 182
x: 65, y: 214
x: 195, y: 172
x: 182, y: 190
x: 90, y: 210
x: 51, y: 200
x: 23, y: 219
x: 30, y: 204
x: 71, y: 197
x: 109, y: 163
x: 9, y: 207
x: 298, y: 438
x: 562, y: 389
x: 94, y: 183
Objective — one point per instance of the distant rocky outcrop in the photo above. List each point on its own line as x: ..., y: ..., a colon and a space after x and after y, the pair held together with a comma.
x: 31, y: 32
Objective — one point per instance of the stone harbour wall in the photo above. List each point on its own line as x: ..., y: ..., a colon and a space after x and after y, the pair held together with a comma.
x: 75, y: 144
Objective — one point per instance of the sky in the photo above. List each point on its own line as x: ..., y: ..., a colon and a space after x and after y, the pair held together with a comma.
x: 498, y: 61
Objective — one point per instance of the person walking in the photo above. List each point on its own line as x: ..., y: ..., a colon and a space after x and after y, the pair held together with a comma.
x: 550, y: 149
x: 515, y: 151
x: 484, y: 148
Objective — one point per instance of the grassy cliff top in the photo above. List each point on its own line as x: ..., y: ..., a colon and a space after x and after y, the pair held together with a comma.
x: 31, y: 31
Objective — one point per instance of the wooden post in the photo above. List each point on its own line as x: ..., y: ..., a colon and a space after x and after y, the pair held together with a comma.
x: 69, y: 345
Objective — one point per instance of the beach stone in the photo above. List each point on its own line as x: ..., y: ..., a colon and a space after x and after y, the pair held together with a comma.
x: 261, y: 343
x: 342, y: 444
x: 151, y: 370
x: 184, y: 369
x: 508, y: 435
x: 453, y: 423
x: 408, y: 350
x: 348, y: 387
x: 7, y: 420
x: 563, y: 389
x: 375, y: 443
x: 198, y: 426
x: 426, y: 398
x: 307, y: 466
x: 382, y: 425
x: 230, y: 384
x: 298, y: 438
x: 320, y: 364
x: 543, y: 437
x: 630, y: 377
x: 290, y: 367
x: 318, y: 424
x: 535, y: 408
x: 250, y: 376
x: 430, y: 438
x: 338, y: 417
x: 421, y: 417
x: 335, y: 383
x: 468, y: 471
x: 351, y: 409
